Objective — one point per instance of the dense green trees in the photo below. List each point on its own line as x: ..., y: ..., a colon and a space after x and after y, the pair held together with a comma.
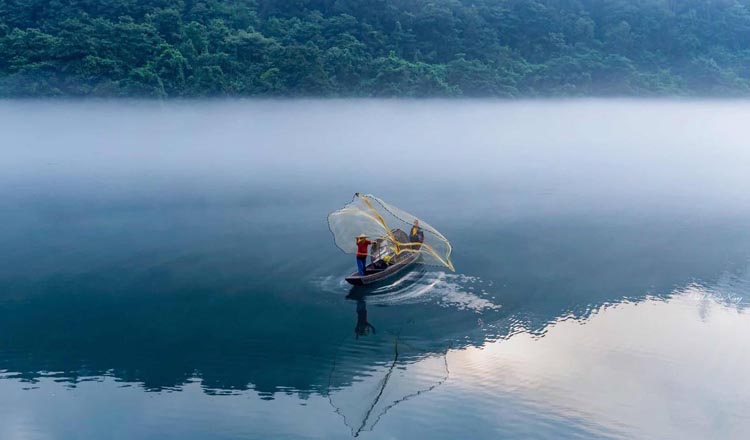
x: 173, y: 48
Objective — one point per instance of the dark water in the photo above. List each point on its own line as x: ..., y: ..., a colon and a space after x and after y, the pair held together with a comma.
x: 166, y: 271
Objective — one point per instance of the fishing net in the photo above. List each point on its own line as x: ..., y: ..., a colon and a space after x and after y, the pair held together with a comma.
x: 391, y: 228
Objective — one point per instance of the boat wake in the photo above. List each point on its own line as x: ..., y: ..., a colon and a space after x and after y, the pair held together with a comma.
x: 457, y: 291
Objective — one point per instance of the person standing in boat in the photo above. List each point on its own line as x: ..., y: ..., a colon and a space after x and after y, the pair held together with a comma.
x: 416, y: 235
x: 362, y: 244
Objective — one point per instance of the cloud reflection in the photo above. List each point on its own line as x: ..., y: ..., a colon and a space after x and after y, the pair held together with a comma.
x: 658, y: 369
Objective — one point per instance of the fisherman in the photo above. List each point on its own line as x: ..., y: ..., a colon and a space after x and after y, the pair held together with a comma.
x: 362, y: 244
x: 416, y: 235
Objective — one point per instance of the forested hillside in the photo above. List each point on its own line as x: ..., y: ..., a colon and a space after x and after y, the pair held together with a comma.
x: 192, y: 48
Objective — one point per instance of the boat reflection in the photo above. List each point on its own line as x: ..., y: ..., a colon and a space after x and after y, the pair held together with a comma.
x: 380, y: 372
x: 363, y: 326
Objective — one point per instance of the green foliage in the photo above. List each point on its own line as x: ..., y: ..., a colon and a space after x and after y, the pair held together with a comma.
x: 504, y: 48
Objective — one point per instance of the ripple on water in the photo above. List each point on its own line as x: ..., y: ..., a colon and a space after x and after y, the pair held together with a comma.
x: 457, y: 291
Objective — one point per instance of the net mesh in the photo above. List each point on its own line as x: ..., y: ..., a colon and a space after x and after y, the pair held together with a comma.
x: 391, y: 228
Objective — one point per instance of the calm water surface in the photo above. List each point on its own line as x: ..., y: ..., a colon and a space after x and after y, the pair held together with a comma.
x: 166, y: 270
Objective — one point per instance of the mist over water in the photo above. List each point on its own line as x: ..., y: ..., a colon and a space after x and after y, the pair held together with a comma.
x: 172, y: 262
x: 580, y: 147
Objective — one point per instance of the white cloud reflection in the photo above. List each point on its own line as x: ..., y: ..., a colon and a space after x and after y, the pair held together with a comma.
x: 656, y: 369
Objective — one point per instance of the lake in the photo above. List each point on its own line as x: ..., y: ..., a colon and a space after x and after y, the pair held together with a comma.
x: 166, y: 270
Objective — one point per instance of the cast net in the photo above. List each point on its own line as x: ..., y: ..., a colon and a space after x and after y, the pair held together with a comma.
x: 392, y: 229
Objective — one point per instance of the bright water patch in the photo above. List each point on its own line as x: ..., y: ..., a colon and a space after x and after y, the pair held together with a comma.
x: 625, y: 369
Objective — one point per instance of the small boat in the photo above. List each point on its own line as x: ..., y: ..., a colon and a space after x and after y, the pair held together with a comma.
x: 400, y: 262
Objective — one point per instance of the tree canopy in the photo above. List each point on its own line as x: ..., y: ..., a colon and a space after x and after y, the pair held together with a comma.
x: 410, y: 48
